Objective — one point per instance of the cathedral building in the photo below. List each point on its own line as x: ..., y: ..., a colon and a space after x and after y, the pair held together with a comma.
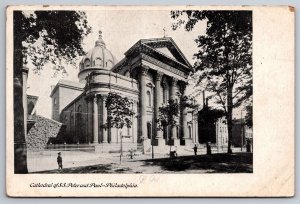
x: 152, y: 72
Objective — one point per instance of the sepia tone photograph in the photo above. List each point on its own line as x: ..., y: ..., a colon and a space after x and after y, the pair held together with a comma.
x: 146, y: 92
x: 171, y: 96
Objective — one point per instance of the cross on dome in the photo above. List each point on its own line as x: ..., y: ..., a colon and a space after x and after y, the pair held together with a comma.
x: 164, y: 29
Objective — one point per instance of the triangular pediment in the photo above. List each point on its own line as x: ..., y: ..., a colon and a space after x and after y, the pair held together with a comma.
x: 165, y: 51
x: 168, y: 47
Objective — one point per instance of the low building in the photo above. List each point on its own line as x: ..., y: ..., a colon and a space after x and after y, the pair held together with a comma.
x: 241, y: 133
x: 221, y: 132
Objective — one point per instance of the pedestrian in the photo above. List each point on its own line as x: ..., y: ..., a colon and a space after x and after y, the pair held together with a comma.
x: 59, y: 161
x: 195, y: 149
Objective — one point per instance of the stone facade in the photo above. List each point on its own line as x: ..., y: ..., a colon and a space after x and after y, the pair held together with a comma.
x: 41, y: 132
x: 152, y: 72
x: 221, y: 132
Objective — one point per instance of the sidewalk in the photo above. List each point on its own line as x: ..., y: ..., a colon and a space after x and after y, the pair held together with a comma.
x: 46, y: 160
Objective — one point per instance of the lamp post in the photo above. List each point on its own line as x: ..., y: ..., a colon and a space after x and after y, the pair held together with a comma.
x: 121, y: 148
x: 152, y: 148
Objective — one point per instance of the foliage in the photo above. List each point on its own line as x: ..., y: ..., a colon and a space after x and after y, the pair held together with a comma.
x: 42, y: 37
x: 224, y: 58
x: 187, y: 102
x: 207, y: 117
x: 119, y: 111
x: 210, y: 115
x: 51, y: 36
x: 168, y: 114
x: 249, y: 116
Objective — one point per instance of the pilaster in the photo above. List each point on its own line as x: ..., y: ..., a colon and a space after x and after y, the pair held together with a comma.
x: 157, y: 104
x: 104, y: 119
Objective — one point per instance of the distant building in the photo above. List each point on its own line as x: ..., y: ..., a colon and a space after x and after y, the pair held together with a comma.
x: 212, y: 127
x: 31, y: 110
x: 221, y: 132
x: 240, y: 133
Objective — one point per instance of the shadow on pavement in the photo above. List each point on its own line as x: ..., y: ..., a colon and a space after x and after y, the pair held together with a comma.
x: 215, y: 163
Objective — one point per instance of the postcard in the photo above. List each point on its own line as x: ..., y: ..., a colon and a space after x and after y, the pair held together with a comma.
x: 150, y: 101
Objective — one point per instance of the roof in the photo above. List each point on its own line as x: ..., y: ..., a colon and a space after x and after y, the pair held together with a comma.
x: 32, y: 97
x: 154, y: 43
x: 68, y: 84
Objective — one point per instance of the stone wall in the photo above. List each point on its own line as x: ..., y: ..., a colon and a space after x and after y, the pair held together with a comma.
x: 39, y: 135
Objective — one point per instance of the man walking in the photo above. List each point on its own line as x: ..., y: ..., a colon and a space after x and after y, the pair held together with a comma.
x: 195, y: 149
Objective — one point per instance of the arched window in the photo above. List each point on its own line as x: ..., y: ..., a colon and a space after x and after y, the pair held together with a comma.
x: 128, y: 131
x: 109, y: 64
x: 71, y: 119
x: 87, y: 63
x: 98, y: 62
x: 149, y: 98
x: 79, y: 124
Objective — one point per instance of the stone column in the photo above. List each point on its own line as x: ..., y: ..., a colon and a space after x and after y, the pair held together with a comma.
x: 143, y: 101
x: 173, y: 97
x: 157, y: 104
x: 104, y: 119
x: 95, y: 119
x: 134, y: 122
x: 184, y: 116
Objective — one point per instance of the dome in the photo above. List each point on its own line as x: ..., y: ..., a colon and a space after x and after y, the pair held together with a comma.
x: 97, y: 58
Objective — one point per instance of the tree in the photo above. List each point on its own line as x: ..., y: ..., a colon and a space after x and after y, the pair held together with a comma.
x: 168, y: 114
x: 42, y: 37
x: 249, y: 115
x: 207, y: 117
x: 224, y: 58
x: 119, y: 110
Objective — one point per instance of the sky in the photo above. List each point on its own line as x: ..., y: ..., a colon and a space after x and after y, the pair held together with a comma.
x: 120, y: 30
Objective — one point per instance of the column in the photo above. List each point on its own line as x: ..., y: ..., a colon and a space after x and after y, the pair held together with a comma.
x: 104, y: 119
x: 134, y: 122
x: 143, y: 101
x: 95, y: 119
x: 184, y: 116
x: 173, y: 97
x: 157, y: 103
